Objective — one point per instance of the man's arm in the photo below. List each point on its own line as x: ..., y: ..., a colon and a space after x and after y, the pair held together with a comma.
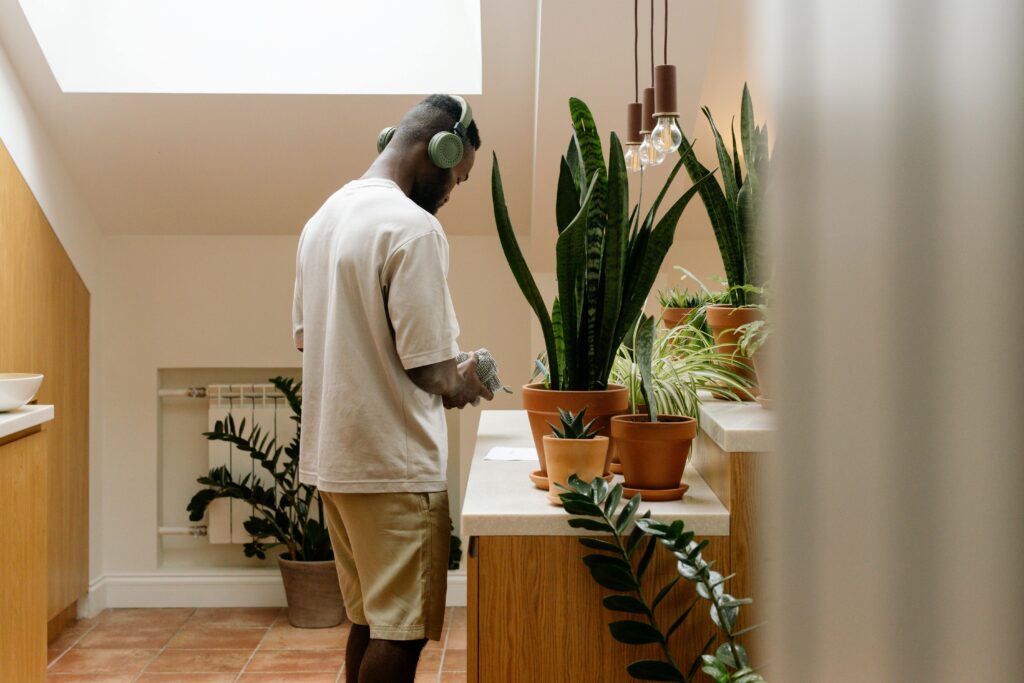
x: 457, y: 384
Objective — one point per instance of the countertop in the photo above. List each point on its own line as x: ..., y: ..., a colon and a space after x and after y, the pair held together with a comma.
x: 738, y: 426
x: 26, y: 417
x: 501, y: 501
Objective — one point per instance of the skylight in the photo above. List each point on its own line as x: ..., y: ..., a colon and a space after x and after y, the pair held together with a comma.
x: 260, y: 46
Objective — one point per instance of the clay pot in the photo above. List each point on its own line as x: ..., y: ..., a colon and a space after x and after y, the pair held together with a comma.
x: 673, y: 317
x: 582, y: 457
x: 723, y: 321
x: 542, y: 408
x: 313, y: 593
x: 653, y: 454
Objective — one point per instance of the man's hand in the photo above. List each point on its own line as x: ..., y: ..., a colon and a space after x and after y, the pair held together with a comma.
x: 457, y: 385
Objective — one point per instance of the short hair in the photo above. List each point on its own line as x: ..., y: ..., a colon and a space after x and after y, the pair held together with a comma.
x: 434, y: 114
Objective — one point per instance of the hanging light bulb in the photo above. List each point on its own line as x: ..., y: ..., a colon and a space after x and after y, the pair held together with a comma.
x: 649, y: 154
x: 634, y: 162
x: 666, y: 136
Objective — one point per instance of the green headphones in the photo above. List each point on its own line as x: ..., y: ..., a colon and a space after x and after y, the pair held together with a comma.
x: 445, y: 148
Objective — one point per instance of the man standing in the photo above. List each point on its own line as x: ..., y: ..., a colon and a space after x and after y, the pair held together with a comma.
x: 374, y: 319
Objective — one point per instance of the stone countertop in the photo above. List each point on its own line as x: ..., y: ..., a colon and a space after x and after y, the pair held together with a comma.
x: 500, y: 500
x: 737, y: 426
x: 26, y: 417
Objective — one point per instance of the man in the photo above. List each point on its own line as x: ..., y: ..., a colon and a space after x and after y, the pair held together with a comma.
x: 374, y: 319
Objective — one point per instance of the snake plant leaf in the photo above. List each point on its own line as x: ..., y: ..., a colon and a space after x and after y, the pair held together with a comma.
x: 613, y: 266
x: 737, y: 171
x: 521, y: 272
x: 634, y: 632
x: 654, y: 670
x: 625, y: 603
x: 589, y: 524
x: 725, y: 163
x: 746, y: 206
x: 644, y: 351
x: 575, y: 162
x: 570, y: 252
x: 613, y: 578
x: 567, y: 199
x: 747, y: 129
x: 598, y: 544
x: 556, y: 324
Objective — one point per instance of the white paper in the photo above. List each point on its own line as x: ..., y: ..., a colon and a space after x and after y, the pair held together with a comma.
x: 511, y: 454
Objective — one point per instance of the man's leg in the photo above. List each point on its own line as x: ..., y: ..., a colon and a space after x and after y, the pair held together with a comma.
x: 358, y: 640
x: 391, y: 661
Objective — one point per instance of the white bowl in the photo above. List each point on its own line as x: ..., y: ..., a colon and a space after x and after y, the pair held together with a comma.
x: 17, y: 389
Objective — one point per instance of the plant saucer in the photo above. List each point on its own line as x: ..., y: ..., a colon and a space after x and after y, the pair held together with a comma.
x: 655, y: 495
x: 616, y: 467
x: 541, y: 482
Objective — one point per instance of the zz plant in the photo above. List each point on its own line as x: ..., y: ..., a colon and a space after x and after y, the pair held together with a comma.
x: 607, y: 256
x: 621, y: 565
x: 282, y: 513
x: 734, y: 204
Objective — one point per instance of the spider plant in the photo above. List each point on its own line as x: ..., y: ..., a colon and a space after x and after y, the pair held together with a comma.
x: 684, y: 360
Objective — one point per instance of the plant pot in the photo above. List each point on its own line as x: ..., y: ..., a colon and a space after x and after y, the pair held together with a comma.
x: 542, y: 408
x: 723, y: 321
x: 314, y: 597
x: 653, y: 454
x: 673, y: 317
x: 583, y: 457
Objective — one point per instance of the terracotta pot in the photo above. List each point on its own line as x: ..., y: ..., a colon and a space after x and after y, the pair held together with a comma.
x: 673, y: 317
x: 723, y: 321
x: 582, y: 457
x: 313, y: 593
x: 542, y: 408
x: 653, y: 454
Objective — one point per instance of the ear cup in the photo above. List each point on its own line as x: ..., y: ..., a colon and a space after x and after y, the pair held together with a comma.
x: 445, y: 149
x: 384, y: 138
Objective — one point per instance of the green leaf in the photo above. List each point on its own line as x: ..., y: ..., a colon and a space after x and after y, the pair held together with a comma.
x: 614, y: 260
x: 644, y: 350
x: 724, y: 655
x: 747, y: 130
x: 587, y: 509
x: 625, y: 603
x: 612, y: 501
x: 654, y: 670
x: 598, y: 544
x: 595, y: 560
x: 725, y: 163
x: 663, y: 593
x: 637, y: 534
x: 570, y: 252
x: 626, y: 516
x: 634, y: 632
x: 703, y: 657
x: 680, y: 620
x: 567, y: 200
x: 589, y: 524
x: 645, y: 559
x: 521, y: 272
x: 613, y: 577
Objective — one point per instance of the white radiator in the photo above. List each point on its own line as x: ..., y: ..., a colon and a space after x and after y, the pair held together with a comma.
x: 258, y: 404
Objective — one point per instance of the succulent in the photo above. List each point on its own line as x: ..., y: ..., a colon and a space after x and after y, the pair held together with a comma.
x: 573, y: 426
x: 676, y: 298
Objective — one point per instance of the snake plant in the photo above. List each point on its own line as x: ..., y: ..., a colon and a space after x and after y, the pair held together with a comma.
x: 734, y: 204
x: 607, y: 256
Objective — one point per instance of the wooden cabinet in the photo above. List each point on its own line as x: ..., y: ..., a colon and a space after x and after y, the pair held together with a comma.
x: 535, y: 614
x: 23, y: 504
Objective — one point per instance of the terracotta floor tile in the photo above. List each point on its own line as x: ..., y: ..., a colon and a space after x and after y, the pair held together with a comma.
x: 296, y: 661
x: 454, y: 660
x: 430, y: 660
x: 52, y: 655
x: 67, y: 638
x: 186, y: 678
x: 234, y: 616
x: 199, y: 661
x: 171, y: 617
x: 90, y: 678
x: 122, y: 638
x: 434, y: 645
x: 456, y: 638
x: 217, y: 638
x: 108, y: 662
x: 458, y: 617
x: 284, y: 636
x: 289, y: 678
x: 427, y: 677
x: 453, y: 677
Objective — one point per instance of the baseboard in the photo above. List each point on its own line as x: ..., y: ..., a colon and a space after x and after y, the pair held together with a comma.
x: 207, y: 588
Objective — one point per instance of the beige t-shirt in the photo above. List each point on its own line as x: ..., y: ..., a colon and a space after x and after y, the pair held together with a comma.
x: 371, y: 300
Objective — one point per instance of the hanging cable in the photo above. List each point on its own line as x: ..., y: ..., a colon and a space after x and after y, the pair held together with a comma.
x: 636, y: 59
x: 664, y: 60
x: 652, y: 42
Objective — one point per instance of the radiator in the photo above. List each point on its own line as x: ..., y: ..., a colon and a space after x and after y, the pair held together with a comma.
x: 258, y: 404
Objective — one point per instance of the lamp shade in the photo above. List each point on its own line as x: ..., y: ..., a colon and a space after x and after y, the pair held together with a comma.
x: 634, y: 112
x: 647, y: 119
x: 665, y: 90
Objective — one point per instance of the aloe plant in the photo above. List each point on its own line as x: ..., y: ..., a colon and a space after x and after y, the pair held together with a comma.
x: 607, y: 257
x: 574, y: 426
x: 734, y: 204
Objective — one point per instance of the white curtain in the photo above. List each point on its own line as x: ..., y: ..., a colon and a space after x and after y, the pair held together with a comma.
x: 897, y: 494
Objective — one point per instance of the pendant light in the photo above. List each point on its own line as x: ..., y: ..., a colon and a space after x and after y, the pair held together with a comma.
x: 634, y: 110
x: 649, y: 154
x: 666, y: 136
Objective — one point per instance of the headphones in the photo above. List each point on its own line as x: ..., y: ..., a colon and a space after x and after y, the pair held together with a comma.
x: 445, y: 148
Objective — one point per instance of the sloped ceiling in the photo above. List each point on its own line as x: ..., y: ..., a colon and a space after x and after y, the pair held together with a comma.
x: 262, y: 164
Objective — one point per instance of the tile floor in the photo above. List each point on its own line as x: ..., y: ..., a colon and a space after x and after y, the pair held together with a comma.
x: 225, y: 645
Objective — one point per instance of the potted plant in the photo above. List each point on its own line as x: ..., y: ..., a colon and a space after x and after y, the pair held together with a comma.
x: 752, y: 342
x: 652, y: 447
x: 574, y: 449
x: 679, y: 304
x: 607, y: 259
x: 734, y: 207
x: 282, y: 514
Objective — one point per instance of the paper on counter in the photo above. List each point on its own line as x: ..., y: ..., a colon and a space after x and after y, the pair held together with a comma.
x: 511, y: 454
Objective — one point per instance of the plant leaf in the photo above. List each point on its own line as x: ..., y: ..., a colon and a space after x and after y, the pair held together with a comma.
x: 634, y: 632
x: 589, y: 524
x: 626, y: 516
x: 654, y: 670
x: 625, y: 603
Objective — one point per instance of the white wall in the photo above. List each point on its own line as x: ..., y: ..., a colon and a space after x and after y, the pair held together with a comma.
x: 29, y: 145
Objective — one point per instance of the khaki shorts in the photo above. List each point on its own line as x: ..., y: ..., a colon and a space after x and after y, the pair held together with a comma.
x: 391, y: 550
